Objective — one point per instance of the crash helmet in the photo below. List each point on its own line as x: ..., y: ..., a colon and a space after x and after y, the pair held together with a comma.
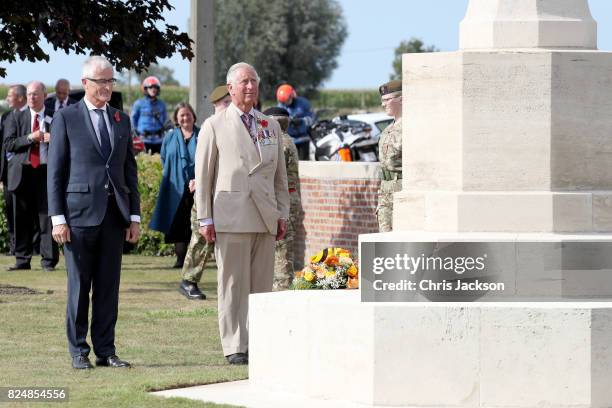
x: 149, y: 82
x: 284, y: 93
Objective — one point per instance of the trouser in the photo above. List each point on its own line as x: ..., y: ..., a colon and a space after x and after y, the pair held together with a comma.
x: 30, y: 207
x: 10, y: 218
x: 245, y: 265
x: 93, y: 261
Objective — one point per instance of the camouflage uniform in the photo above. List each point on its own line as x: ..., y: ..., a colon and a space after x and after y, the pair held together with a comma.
x: 198, y: 252
x: 283, y: 256
x: 390, y: 156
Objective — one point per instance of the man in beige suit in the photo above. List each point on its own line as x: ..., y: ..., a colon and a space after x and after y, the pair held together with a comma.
x: 242, y: 202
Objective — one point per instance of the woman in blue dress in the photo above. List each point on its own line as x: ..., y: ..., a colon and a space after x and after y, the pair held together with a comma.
x: 175, y: 199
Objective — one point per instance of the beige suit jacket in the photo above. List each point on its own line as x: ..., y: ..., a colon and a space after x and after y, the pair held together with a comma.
x: 235, y: 186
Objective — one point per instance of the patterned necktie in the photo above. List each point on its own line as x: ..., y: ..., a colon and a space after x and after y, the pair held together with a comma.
x: 104, y: 135
x: 247, y: 120
x: 34, y: 156
x: 61, y: 105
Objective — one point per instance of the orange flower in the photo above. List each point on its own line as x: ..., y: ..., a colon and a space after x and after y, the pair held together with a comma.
x: 331, y: 260
x: 352, y: 271
x: 299, y: 274
x: 352, y: 283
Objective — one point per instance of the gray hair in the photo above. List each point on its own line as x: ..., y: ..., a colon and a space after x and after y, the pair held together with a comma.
x: 92, y: 63
x: 42, y: 86
x: 20, y: 90
x: 231, y: 73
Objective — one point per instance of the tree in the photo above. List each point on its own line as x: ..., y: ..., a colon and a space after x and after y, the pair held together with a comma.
x: 164, y: 74
x: 414, y: 45
x: 127, y: 32
x: 294, y: 41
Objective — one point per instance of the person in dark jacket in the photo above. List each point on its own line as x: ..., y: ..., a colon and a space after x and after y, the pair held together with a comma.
x: 175, y: 199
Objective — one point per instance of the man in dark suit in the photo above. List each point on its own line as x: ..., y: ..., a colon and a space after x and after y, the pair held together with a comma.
x: 95, y: 206
x: 16, y: 99
x: 27, y: 138
x: 62, y: 98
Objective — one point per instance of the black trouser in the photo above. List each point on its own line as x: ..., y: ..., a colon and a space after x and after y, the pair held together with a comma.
x: 303, y: 150
x: 10, y: 218
x: 30, y: 206
x: 93, y: 261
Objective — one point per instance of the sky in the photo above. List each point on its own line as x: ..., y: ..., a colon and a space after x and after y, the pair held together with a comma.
x: 375, y: 28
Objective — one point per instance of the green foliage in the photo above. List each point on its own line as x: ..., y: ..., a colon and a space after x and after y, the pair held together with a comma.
x: 353, y: 99
x: 91, y: 27
x: 149, y: 177
x: 414, y: 45
x: 294, y: 41
x: 302, y: 285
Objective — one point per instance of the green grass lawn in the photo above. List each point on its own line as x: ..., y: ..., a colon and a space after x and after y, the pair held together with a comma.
x: 170, y: 341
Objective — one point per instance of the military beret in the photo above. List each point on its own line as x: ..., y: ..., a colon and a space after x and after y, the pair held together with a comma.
x: 276, y: 111
x: 390, y: 87
x: 218, y: 93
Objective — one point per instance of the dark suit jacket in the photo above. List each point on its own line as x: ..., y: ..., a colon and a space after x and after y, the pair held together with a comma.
x: 50, y: 102
x: 16, y: 142
x: 3, y: 119
x: 79, y: 178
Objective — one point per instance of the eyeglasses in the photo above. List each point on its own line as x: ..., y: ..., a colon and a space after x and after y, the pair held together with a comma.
x: 111, y: 81
x: 385, y: 100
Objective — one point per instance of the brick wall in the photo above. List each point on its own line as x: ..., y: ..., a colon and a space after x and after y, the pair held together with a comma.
x: 339, y: 202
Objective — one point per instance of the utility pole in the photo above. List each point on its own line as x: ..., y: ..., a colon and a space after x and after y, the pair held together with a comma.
x: 202, y: 66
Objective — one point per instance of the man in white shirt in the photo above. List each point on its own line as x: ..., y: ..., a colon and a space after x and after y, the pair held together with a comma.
x: 95, y: 207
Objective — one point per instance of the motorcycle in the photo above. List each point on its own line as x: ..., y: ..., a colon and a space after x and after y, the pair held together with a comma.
x: 342, y: 139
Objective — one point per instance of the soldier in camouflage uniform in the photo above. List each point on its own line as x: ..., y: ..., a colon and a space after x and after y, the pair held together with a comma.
x: 390, y: 154
x: 283, y: 255
x: 199, y: 251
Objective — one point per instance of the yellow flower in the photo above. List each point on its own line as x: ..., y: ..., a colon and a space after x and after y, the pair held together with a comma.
x: 309, y: 276
x: 352, y: 271
x: 342, y: 252
x: 330, y: 273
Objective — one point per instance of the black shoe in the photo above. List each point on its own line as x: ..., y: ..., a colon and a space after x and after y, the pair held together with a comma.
x: 81, y: 363
x: 48, y: 268
x: 112, y: 361
x: 190, y: 290
x: 177, y: 265
x: 238, y: 358
x: 19, y: 267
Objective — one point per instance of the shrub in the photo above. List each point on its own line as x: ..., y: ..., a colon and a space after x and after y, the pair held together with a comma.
x: 149, y: 178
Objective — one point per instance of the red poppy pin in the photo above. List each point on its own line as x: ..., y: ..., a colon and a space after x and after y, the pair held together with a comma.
x: 117, y: 116
x: 264, y: 123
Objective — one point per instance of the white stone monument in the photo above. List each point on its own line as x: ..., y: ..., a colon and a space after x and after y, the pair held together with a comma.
x: 509, y: 138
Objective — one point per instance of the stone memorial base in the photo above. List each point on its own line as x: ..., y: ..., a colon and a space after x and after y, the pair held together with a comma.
x: 327, y: 345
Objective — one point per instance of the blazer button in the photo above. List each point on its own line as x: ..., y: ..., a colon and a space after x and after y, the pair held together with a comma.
x: 107, y: 166
x: 106, y: 186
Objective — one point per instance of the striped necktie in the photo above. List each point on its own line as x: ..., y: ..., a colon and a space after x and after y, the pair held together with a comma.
x: 248, y: 120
